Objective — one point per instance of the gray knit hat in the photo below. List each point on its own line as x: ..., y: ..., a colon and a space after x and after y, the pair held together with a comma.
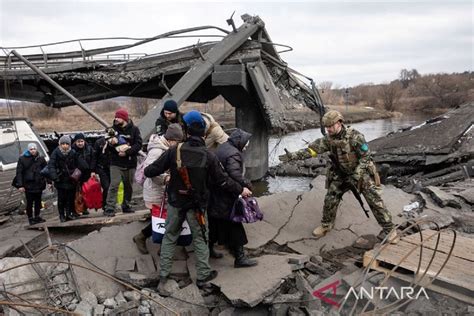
x: 65, y: 139
x: 174, y: 132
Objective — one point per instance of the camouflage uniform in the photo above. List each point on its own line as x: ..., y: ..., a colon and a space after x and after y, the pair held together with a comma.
x: 352, y: 152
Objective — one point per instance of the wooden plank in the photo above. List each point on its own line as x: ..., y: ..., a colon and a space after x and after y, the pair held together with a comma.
x: 456, y: 271
x: 464, y: 247
x: 95, y: 218
x: 435, y: 286
x: 125, y: 264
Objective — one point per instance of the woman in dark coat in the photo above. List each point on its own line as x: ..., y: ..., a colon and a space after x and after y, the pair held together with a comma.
x: 62, y: 163
x: 86, y: 152
x: 30, y: 181
x: 221, y: 228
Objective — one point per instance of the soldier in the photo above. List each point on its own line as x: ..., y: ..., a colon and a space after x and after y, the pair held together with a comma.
x: 352, y: 164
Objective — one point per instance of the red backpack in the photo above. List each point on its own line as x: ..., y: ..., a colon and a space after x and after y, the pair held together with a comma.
x: 92, y: 193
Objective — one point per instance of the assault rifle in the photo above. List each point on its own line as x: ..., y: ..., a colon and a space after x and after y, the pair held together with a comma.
x: 183, y: 172
x: 337, y: 168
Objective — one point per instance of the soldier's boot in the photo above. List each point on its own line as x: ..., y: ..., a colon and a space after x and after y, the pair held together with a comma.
x: 213, y: 253
x: 320, y: 231
x: 140, y: 241
x: 162, y: 287
x: 393, y: 237
x: 201, y: 283
x: 241, y: 260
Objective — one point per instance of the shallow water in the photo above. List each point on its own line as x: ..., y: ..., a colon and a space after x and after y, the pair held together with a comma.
x: 297, y: 140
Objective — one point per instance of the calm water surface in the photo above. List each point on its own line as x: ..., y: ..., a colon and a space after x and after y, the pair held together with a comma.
x: 297, y: 140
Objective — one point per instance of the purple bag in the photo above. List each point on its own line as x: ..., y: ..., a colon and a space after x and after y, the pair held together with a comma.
x: 246, y: 210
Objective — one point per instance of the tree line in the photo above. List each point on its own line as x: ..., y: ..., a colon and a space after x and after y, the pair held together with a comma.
x: 410, y: 91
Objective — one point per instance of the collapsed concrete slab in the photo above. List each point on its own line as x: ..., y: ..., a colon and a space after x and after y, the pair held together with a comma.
x: 248, y: 287
x: 291, y: 217
x: 102, y: 248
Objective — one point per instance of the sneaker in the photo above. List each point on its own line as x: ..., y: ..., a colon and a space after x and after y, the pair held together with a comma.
x: 320, y: 231
x: 211, y: 276
x: 31, y: 221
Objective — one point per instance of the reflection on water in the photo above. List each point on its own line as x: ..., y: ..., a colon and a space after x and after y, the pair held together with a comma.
x: 297, y: 140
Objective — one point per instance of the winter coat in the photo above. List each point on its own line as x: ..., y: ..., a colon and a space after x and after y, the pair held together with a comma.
x: 231, y: 157
x: 153, y: 187
x: 101, y: 155
x: 162, y: 123
x: 214, y: 134
x: 87, y: 154
x: 28, y: 172
x: 131, y: 134
x: 202, y: 177
x: 61, y: 166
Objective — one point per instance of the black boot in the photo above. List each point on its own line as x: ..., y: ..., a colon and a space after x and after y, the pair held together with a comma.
x: 62, y: 217
x: 70, y: 216
x: 241, y: 260
x: 213, y: 253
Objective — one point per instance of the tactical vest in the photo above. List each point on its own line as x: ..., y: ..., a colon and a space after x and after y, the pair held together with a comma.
x: 344, y: 152
x: 195, y: 161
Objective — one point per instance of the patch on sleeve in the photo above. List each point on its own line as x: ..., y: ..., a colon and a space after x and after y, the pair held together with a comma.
x: 364, y: 147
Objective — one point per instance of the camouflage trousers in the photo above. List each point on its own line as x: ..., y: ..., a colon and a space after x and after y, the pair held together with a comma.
x: 337, y: 186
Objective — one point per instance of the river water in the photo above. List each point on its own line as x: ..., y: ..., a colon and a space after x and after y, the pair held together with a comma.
x: 297, y: 140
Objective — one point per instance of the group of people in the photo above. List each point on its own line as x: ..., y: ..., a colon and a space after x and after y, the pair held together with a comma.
x: 214, y: 179
x: 202, y: 170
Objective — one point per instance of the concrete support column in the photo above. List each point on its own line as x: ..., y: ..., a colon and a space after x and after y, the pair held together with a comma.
x: 249, y: 118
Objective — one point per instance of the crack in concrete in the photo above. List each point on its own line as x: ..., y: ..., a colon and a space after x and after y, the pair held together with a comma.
x: 349, y: 229
x: 299, y: 198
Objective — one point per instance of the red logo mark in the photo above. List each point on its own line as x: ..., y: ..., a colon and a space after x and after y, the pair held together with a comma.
x: 319, y: 293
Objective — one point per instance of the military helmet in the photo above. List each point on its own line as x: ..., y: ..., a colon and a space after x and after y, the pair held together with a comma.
x: 332, y: 117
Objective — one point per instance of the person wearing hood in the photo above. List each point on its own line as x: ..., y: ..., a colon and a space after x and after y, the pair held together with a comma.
x: 31, y: 182
x: 153, y: 187
x: 221, y: 229
x: 214, y: 134
x: 203, y: 170
x: 168, y: 115
x: 86, y: 152
x: 123, y: 149
x: 62, y: 163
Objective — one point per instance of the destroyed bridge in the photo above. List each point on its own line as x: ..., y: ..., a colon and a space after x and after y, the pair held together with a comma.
x: 244, y: 67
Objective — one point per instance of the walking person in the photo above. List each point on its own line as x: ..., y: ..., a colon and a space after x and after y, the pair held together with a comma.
x: 352, y: 167
x: 193, y: 169
x: 153, y: 187
x: 168, y: 115
x: 221, y: 229
x: 62, y: 164
x: 123, y: 149
x: 31, y: 182
x: 86, y: 152
x: 101, y: 167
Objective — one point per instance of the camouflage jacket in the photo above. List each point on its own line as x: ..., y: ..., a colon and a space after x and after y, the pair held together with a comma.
x: 348, y: 147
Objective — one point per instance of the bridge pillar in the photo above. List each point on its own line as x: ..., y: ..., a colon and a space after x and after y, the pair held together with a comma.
x: 249, y: 118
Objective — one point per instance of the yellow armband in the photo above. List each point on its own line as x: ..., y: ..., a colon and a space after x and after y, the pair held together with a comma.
x: 312, y: 152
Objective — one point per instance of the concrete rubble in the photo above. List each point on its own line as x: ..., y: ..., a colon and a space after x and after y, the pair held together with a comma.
x: 293, y: 265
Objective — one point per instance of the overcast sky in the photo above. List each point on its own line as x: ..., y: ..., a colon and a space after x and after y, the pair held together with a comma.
x: 346, y: 42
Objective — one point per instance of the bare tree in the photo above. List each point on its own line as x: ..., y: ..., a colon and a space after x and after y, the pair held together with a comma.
x: 390, y: 93
x: 444, y: 90
x: 140, y: 106
x: 408, y: 76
